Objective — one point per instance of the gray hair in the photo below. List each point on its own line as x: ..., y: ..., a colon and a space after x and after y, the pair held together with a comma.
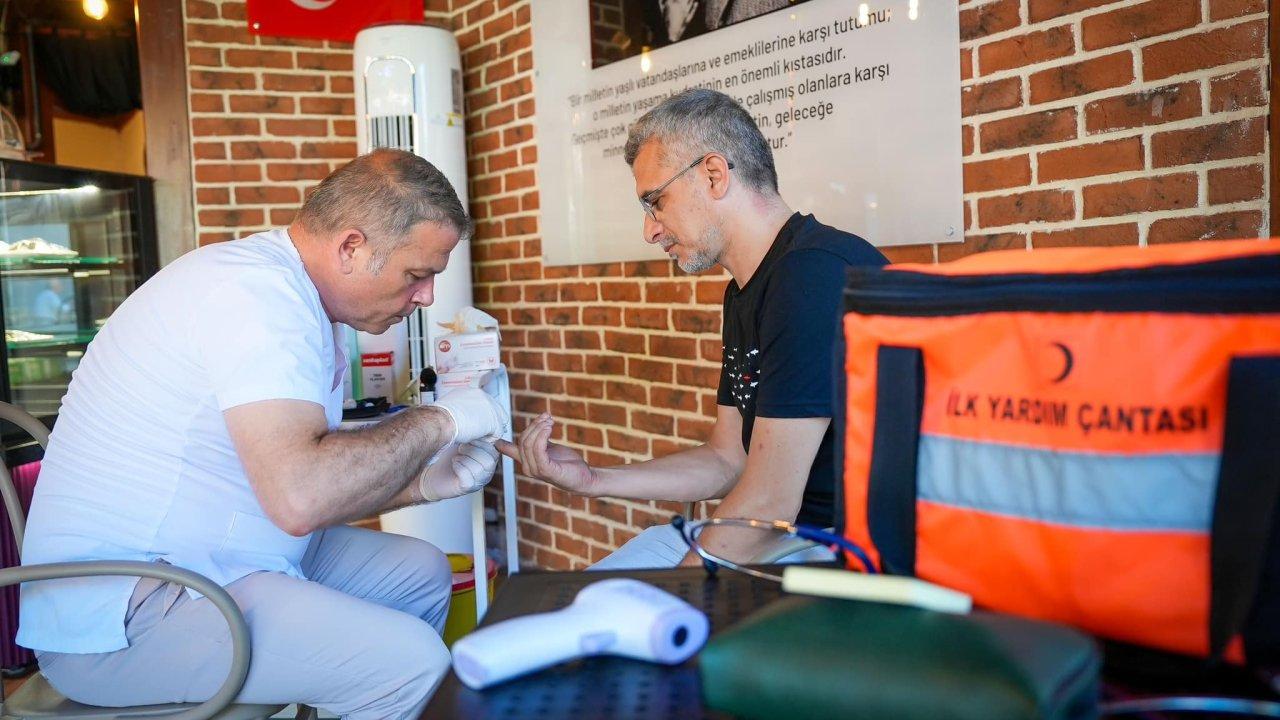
x: 699, y: 121
x: 384, y: 194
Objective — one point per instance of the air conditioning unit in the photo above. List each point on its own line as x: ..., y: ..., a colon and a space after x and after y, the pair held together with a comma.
x: 409, y: 96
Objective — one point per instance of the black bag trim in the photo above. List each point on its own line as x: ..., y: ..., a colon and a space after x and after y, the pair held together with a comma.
x: 1243, y: 555
x: 891, y: 487
x: 1236, y: 285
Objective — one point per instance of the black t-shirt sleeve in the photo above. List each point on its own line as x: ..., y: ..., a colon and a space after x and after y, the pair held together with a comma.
x: 797, y: 331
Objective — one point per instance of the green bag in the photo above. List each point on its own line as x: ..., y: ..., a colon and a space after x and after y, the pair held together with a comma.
x: 806, y: 657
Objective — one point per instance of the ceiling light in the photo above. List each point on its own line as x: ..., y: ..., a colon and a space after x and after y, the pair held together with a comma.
x: 96, y: 9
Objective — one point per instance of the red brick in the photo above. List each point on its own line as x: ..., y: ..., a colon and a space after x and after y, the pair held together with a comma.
x: 1096, y: 236
x: 651, y: 318
x: 334, y: 150
x: 1212, y: 142
x: 966, y: 140
x: 695, y: 321
x: 267, y: 194
x: 258, y: 150
x: 697, y: 376
x: 1082, y: 78
x: 697, y: 430
x: 1103, y: 158
x: 1157, y: 17
x: 226, y: 34
x: 240, y: 57
x: 1041, y: 10
x: 673, y: 347
x: 991, y: 96
x: 231, y: 218
x: 209, y: 57
x: 209, y: 150
x: 233, y: 11
x: 966, y: 64
x: 223, y: 126
x: 1235, y: 184
x: 328, y: 106
x: 582, y: 339
x: 626, y: 442
x: 1026, y: 207
x: 282, y: 216
x: 1223, y: 9
x: 666, y: 398
x: 988, y: 19
x: 1049, y: 126
x: 293, y: 171
x: 201, y: 9
x: 1237, y: 91
x: 607, y: 414
x: 206, y: 102
x: 607, y: 316
x: 213, y: 196
x: 1036, y: 47
x: 337, y: 62
x: 306, y: 128
x: 222, y: 173
x: 1147, y: 194
x: 1227, y: 226
x: 218, y: 80
x: 578, y: 292
x: 983, y: 175
x: 711, y: 291
x: 657, y: 423
x: 624, y: 342
x: 652, y: 370
x: 1212, y: 48
x: 626, y: 392
x: 668, y: 292
x: 268, y: 104
x: 1143, y: 108
x: 981, y: 243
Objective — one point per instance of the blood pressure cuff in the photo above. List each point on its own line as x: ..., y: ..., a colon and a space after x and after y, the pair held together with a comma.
x: 819, y: 658
x: 1081, y: 435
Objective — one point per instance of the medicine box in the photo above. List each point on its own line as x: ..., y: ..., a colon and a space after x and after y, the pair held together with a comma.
x: 467, y: 351
x: 377, y: 374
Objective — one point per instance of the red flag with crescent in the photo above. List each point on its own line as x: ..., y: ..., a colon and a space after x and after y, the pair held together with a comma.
x: 327, y: 19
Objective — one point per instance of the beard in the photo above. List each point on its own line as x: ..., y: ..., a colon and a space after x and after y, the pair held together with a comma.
x: 704, y: 255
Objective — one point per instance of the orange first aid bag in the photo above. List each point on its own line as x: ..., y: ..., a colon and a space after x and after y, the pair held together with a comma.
x: 1082, y: 435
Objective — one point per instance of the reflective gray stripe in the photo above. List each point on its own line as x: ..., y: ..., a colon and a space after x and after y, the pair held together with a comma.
x: 1117, y: 492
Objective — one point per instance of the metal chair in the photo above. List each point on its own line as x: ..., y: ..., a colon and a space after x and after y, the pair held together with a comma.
x: 37, y: 698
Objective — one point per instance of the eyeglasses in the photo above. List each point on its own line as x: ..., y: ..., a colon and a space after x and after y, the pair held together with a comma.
x: 648, y: 201
x: 775, y: 530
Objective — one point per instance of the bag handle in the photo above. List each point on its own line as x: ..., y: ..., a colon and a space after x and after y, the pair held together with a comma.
x: 895, y: 444
x: 1245, y: 550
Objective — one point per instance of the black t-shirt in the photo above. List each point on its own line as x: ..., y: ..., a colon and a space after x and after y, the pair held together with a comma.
x: 779, y: 335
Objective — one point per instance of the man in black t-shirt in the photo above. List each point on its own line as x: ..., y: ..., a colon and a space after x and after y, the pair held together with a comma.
x: 706, y: 180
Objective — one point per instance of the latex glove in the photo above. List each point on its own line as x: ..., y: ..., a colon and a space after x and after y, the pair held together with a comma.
x: 468, y: 468
x: 476, y: 414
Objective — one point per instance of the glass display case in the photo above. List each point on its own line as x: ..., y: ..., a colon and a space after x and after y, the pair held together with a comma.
x: 73, y: 245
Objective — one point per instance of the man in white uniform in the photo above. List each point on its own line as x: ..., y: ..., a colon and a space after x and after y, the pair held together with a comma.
x: 201, y: 430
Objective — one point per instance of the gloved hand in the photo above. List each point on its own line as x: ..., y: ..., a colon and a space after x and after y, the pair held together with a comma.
x: 475, y: 413
x: 461, y: 470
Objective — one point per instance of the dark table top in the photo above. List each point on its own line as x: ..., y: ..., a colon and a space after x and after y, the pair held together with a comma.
x: 604, y: 687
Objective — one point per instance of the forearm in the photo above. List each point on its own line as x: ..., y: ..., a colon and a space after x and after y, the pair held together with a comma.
x: 699, y: 473
x: 354, y: 474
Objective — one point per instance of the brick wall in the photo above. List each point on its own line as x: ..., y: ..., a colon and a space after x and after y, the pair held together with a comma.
x: 1086, y: 122
x: 270, y: 117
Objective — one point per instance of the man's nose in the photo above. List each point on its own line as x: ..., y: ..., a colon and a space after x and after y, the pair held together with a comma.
x: 425, y: 294
x: 652, y: 229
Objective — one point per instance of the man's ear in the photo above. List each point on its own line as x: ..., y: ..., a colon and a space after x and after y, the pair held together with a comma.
x: 718, y: 176
x: 352, y: 241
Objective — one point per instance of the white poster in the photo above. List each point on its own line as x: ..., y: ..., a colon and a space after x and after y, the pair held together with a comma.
x: 860, y: 101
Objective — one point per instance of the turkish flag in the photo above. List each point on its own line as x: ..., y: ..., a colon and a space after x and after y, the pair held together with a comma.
x: 327, y: 19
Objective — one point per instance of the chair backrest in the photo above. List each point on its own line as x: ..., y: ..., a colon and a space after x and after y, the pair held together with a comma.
x: 12, y: 503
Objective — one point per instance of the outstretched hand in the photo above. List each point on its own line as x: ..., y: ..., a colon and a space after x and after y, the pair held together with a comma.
x: 542, y: 459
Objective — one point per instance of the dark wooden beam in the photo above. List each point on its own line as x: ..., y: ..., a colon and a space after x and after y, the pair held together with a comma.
x: 163, y: 64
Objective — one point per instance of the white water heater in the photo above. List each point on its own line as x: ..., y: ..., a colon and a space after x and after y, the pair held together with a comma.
x: 408, y: 87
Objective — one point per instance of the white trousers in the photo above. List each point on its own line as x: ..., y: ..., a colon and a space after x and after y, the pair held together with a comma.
x: 360, y: 638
